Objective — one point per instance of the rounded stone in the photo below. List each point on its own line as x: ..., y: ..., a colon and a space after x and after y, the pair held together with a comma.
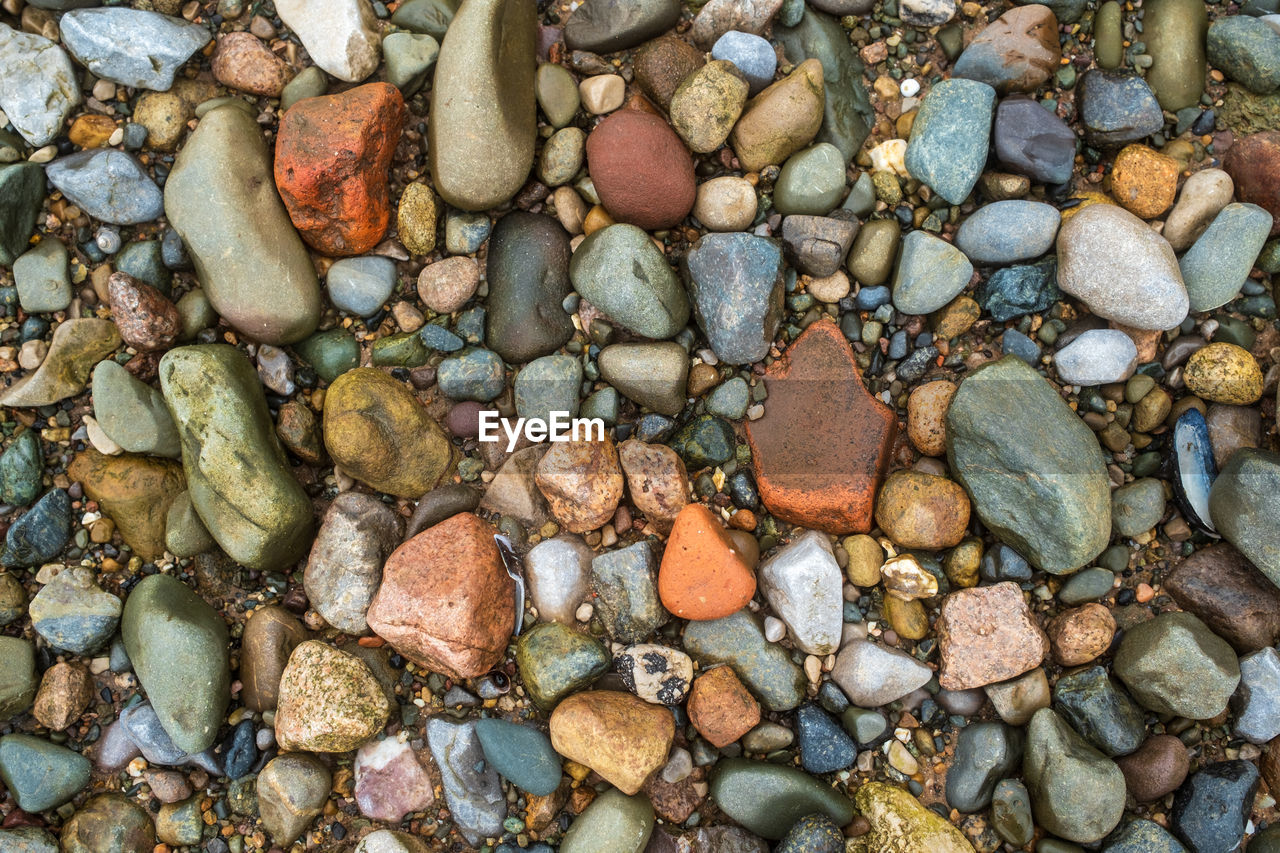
x: 1224, y: 373
x: 641, y: 170
x: 918, y: 510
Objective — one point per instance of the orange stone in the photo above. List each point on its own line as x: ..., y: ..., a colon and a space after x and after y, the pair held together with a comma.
x: 92, y: 131
x: 618, y: 735
x: 823, y: 444
x: 446, y: 600
x: 1144, y: 181
x: 721, y: 708
x: 333, y: 153
x: 702, y: 575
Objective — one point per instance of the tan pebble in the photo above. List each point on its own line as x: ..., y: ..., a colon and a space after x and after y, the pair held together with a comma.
x: 1224, y: 373
x: 603, y: 93
x: 927, y: 416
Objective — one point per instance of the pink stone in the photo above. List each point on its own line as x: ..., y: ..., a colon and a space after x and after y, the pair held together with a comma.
x: 390, y: 781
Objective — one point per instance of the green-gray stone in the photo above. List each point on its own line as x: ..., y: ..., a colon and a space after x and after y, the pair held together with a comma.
x: 13, y: 603
x: 77, y: 345
x: 651, y: 374
x: 1100, y: 711
x: 184, y: 533
x: 561, y: 156
x: 522, y: 754
x: 1144, y: 836
x: 41, y: 775
x: 21, y: 195
x: 108, y: 823
x: 132, y: 413
x: 221, y: 198
x: 1267, y: 841
x: 1174, y: 31
x: 705, y: 442
x: 621, y: 272
x: 847, y: 113
x: 730, y: 400
x: 811, y: 181
x: 1086, y: 585
x: 180, y: 823
x: 1173, y: 664
x: 483, y: 121
x: 1247, y: 51
x: 1245, y: 506
x: 1108, y: 36
x: 555, y: 660
x: 613, y: 823
x: 473, y: 374
x: 1137, y: 507
x: 178, y: 647
x: 861, y: 199
x: 1033, y: 469
x: 931, y: 272
x: 557, y: 94
x: 195, y: 313
x: 310, y: 83
x: 765, y: 668
x: 900, y: 823
x: 768, y: 798
x: 425, y: 16
x: 548, y: 384
x: 625, y: 583
x: 21, y: 465
x: 1217, y: 265
x: 144, y: 260
x: 1077, y: 793
x: 409, y: 58
x: 237, y: 474
x: 950, y: 136
x: 332, y: 352
x: 42, y: 279
x: 17, y: 676
x: 1011, y: 812
x: 28, y: 839
x: 871, y: 258
x: 403, y: 349
x: 528, y: 274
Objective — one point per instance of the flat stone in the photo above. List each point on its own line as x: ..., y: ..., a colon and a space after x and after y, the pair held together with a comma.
x: 1117, y: 107
x: 1156, y: 768
x: 1008, y: 231
x: 1247, y: 51
x: 609, y: 26
x: 782, y: 119
x: 768, y: 798
x: 1097, y: 357
x: 341, y: 36
x: 1203, y: 195
x: 1221, y: 587
x: 1100, y: 711
x: 1174, y: 31
x: 528, y: 275
x: 1031, y: 141
x: 472, y: 789
x: 621, y: 272
x: 1239, y: 503
x: 931, y: 272
x: 136, y: 48
x: 41, y: 775
x: 107, y: 184
x: 72, y: 612
x: 329, y: 701
x: 613, y: 823
x: 823, y: 476
x: 872, y: 675
x: 651, y: 374
x: 41, y: 277
x: 1217, y: 265
x: 986, y: 752
x: 1017, y: 52
x: 986, y: 635
x: 803, y: 585
x: 269, y: 637
x: 765, y: 668
x: 133, y: 413
x: 17, y: 676
x: 522, y: 754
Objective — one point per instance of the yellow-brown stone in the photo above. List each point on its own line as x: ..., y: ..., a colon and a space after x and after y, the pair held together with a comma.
x: 919, y: 510
x: 1144, y: 181
x: 1224, y: 373
x: 618, y: 735
x: 133, y: 491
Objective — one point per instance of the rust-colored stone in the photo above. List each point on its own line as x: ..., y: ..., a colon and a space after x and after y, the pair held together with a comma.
x: 1254, y: 164
x: 721, y: 708
x: 332, y: 159
x: 147, y: 320
x: 65, y: 692
x: 641, y: 169
x: 986, y: 635
x: 1081, y: 634
x: 1144, y: 181
x: 702, y: 575
x: 446, y: 600
x: 618, y: 735
x: 822, y: 447
x: 582, y: 482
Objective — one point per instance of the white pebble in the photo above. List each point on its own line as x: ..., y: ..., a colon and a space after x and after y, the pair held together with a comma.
x: 813, y: 668
x: 99, y: 439
x: 584, y: 611
x: 603, y: 93
x: 774, y: 630
x: 44, y: 155
x: 32, y: 354
x: 909, y: 87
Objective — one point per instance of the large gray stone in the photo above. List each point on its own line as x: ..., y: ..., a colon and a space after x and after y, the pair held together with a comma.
x: 1245, y: 505
x: 131, y: 46
x: 38, y: 85
x: 1173, y: 664
x: 107, y: 184
x: 1077, y: 793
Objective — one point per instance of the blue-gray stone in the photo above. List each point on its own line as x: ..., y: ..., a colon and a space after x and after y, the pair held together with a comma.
x: 425, y: 16
x: 548, y: 384
x: 1013, y: 342
x: 361, y: 285
x: 1247, y: 50
x: 108, y: 185
x: 736, y: 283
x: 1217, y: 265
x: 815, y: 833
x: 1117, y: 107
x: 241, y: 751
x: 607, y: 26
x: 474, y: 374
x: 626, y: 587
x: 521, y: 754
x: 1142, y: 836
x: 1256, y: 702
x: 41, y: 276
x: 824, y: 746
x: 1100, y: 711
x: 131, y: 46
x: 811, y: 182
x: 72, y: 612
x: 472, y: 789
x: 439, y: 338
x: 931, y: 272
x: 1087, y: 585
x: 38, y: 84
x: 1015, y: 291
x: 985, y: 754
x: 730, y: 399
x: 144, y: 260
x: 1097, y: 357
x: 143, y: 726
x: 28, y: 839
x: 41, y: 533
x: 1212, y: 807
x: 41, y: 775
x: 21, y: 465
x: 1003, y: 563
x: 950, y: 137
x: 705, y: 442
x: 765, y: 668
x: 1243, y: 503
x: 1008, y: 231
x: 21, y: 195
x: 465, y: 233
x: 871, y: 298
x: 1032, y: 141
x: 752, y: 54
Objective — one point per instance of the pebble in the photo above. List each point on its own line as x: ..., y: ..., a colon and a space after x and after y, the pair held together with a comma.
x: 1247, y: 51
x: 619, y: 736
x: 557, y: 94
x: 108, y: 822
x: 1229, y: 595
x: 656, y: 480
x: 41, y: 277
x: 1224, y: 373
x: 899, y: 820
x: 872, y: 675
x: 344, y: 568
x: 782, y: 119
x: 949, y: 138
x: 765, y: 668
x: 1008, y: 231
x: 1203, y: 195
x: 735, y: 283
x: 767, y: 799
x: 657, y: 674
x: 1030, y: 140
x: 1211, y: 809
x: 1248, y: 163
x: 1100, y: 711
x: 1156, y: 769
x: 556, y: 660
x: 651, y: 374
x: 72, y: 612
x: 751, y: 54
x: 292, y: 789
x: 1174, y: 664
x: 613, y: 823
x: 390, y: 781
x: 1174, y: 34
x: 17, y: 676
x: 243, y: 62
x: 985, y: 753
x: 1217, y: 265
x: 726, y: 203
x: 147, y: 320
x: 931, y: 272
x: 722, y: 709
x: 107, y: 184
x: 1254, y: 703
x: 802, y: 583
x: 40, y: 86
x: 616, y: 25
x: 158, y: 44
x: 1117, y: 107
x: 557, y: 572
x: 824, y: 746
x: 1097, y: 357
x: 661, y: 64
x: 528, y: 276
x: 1017, y: 52
x: 41, y: 775
x: 1144, y: 181
x: 410, y: 57
x: 41, y: 533
x: 329, y: 701
x: 620, y: 271
x: 1143, y: 836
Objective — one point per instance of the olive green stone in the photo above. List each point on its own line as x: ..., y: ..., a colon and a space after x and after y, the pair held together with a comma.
x: 221, y: 198
x: 41, y: 775
x: 310, y: 83
x: 871, y: 258
x: 1174, y: 31
x: 1137, y: 507
x: 21, y: 194
x: 409, y: 57
x: 562, y: 156
x: 1033, y: 469
x: 1173, y: 664
x: 13, y: 603
x: 331, y: 353
x: 483, y: 122
x: 426, y: 16
x: 178, y: 647
x: 1086, y: 585
x: 613, y: 823
x: 184, y: 533
x: 768, y: 798
x: 77, y: 345
x: 237, y: 474
x: 811, y: 181
x: 900, y: 823
x: 180, y: 823
x: 557, y: 94
x: 403, y: 349
x: 1243, y: 503
x: 765, y: 668
x: 1108, y: 46
x: 555, y: 660
x: 651, y: 374
x: 1077, y: 793
x: 108, y: 823
x: 704, y: 442
x: 17, y: 676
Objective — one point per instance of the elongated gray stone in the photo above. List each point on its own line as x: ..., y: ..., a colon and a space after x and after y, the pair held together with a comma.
x: 107, y: 184
x: 1077, y: 793
x: 1218, y: 263
x: 237, y: 474
x: 1033, y: 469
x: 131, y: 46
x: 221, y: 198
x: 38, y: 85
x: 472, y: 788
